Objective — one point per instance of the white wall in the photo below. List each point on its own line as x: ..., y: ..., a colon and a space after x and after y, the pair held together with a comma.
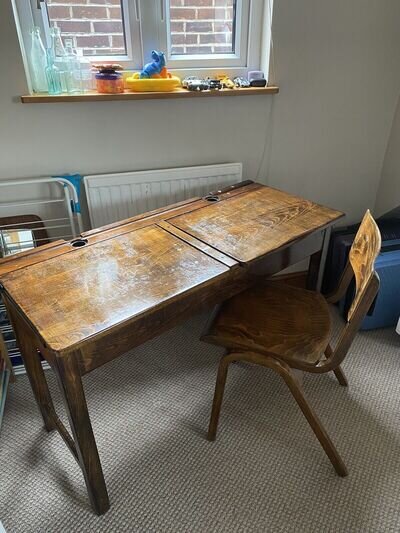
x: 323, y: 137
x: 388, y: 197
x: 118, y: 136
x: 338, y: 67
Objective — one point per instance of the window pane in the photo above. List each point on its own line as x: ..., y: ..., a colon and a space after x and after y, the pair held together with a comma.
x: 202, y: 26
x: 95, y: 26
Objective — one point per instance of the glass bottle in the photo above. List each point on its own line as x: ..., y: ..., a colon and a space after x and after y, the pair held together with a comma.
x: 86, y: 74
x: 37, y: 62
x: 74, y: 75
x: 60, y: 56
x: 52, y: 74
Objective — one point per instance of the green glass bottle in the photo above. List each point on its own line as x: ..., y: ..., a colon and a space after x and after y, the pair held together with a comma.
x: 52, y: 74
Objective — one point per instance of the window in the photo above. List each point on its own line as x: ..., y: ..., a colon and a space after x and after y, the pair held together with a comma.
x: 199, y: 27
x: 195, y: 34
x: 96, y: 27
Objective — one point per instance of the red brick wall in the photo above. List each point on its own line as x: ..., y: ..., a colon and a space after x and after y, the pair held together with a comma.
x: 197, y: 26
x: 201, y: 26
x: 94, y: 25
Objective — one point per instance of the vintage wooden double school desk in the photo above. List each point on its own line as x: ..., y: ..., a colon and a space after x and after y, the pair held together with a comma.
x: 85, y: 302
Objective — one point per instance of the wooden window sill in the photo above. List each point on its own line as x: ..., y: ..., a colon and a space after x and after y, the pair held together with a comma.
x: 178, y: 93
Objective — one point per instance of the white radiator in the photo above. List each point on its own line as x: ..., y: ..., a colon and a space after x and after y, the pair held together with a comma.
x: 113, y: 197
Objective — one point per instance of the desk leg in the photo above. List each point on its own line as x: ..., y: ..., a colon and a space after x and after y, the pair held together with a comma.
x: 317, y: 264
x: 30, y: 356
x: 69, y: 378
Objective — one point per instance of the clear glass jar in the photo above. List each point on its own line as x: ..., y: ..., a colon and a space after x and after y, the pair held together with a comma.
x: 86, y: 73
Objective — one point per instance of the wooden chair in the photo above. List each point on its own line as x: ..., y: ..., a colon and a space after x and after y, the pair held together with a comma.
x: 289, y: 330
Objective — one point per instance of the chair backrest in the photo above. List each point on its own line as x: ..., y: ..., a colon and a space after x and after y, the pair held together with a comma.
x: 363, y: 253
x: 361, y: 265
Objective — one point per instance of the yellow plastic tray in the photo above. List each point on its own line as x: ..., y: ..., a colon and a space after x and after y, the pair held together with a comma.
x: 134, y: 83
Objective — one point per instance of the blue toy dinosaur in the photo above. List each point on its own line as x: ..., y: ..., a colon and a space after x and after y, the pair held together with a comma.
x: 155, y: 67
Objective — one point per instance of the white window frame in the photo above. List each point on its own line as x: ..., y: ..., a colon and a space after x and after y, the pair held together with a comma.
x: 133, y: 56
x: 147, y: 28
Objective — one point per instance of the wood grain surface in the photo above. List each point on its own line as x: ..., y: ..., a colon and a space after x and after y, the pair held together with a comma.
x: 276, y: 319
x: 31, y: 257
x: 129, y: 96
x: 363, y: 253
x: 250, y: 226
x: 77, y: 295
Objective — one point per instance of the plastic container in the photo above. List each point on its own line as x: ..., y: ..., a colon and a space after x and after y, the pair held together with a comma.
x: 109, y: 81
x: 137, y: 84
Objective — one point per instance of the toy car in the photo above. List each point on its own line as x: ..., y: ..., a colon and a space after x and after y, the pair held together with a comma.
x: 226, y: 82
x: 241, y: 82
x: 187, y: 80
x: 192, y: 83
x: 213, y: 84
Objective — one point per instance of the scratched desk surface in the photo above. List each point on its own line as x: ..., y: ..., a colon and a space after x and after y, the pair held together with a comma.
x: 72, y: 294
x: 75, y: 295
x: 248, y: 227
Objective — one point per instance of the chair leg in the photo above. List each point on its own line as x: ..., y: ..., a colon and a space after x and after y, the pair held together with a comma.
x: 218, y: 395
x: 316, y: 425
x: 341, y: 377
x: 295, y: 388
x: 299, y: 375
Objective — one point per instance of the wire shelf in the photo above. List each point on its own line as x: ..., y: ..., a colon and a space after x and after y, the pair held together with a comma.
x: 34, y: 212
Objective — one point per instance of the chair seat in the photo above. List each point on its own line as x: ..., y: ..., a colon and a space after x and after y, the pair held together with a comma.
x: 276, y: 319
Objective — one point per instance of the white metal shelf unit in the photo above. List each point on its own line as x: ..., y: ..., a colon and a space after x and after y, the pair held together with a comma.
x: 54, y: 199
x: 48, y: 209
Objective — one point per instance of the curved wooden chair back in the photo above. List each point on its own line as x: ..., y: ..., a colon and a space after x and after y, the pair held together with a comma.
x: 363, y: 253
x: 361, y: 266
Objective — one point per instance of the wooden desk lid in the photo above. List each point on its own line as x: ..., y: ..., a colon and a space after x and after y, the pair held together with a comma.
x: 251, y: 225
x: 76, y: 295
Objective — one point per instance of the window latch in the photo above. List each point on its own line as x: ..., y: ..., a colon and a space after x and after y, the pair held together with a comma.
x: 162, y: 10
x: 137, y: 16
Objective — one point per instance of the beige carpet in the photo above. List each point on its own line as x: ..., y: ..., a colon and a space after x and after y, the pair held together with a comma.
x: 266, y: 472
